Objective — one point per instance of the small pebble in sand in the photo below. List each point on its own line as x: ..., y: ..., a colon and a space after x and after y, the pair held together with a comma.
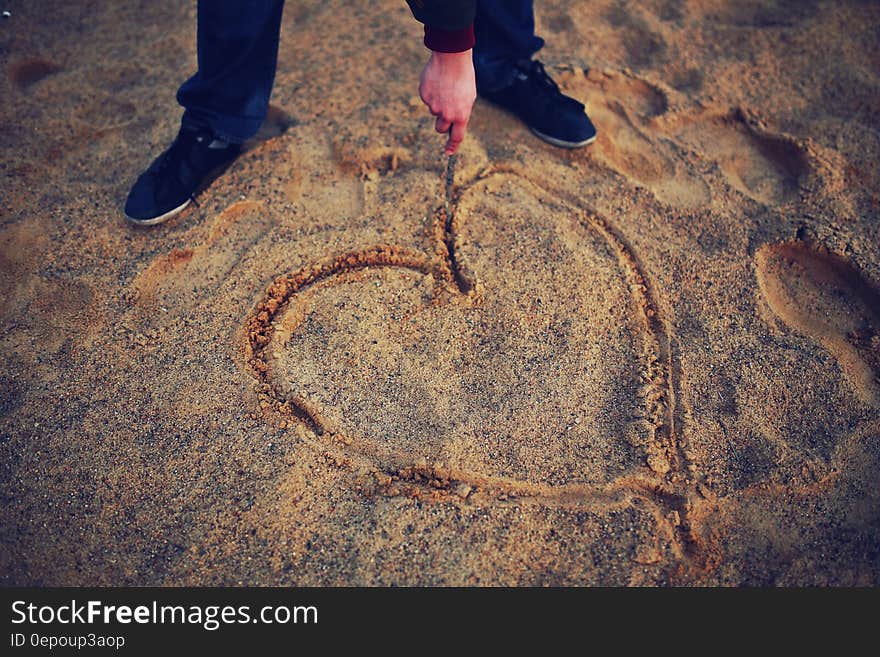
x: 463, y: 490
x: 658, y: 463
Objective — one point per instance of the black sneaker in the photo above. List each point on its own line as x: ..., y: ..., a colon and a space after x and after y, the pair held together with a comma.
x: 536, y: 99
x: 168, y: 186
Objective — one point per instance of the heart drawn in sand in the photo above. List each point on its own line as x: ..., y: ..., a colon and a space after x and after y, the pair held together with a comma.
x: 524, y: 382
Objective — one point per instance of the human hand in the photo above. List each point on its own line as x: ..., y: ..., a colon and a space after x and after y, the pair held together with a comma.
x: 448, y: 87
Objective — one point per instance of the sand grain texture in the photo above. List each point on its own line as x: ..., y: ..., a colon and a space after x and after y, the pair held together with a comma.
x: 664, y: 366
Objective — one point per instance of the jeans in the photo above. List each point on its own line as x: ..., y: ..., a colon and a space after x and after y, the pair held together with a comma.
x: 505, y: 34
x: 238, y: 53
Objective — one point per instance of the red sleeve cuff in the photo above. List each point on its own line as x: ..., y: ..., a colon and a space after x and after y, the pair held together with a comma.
x: 449, y: 40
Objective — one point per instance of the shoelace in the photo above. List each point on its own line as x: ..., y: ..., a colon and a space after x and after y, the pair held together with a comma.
x: 174, y: 156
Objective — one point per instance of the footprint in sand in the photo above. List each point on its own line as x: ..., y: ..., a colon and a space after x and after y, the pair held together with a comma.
x: 637, y: 136
x: 822, y: 296
x: 368, y: 162
x: 764, y: 167
x: 322, y: 188
x: 107, y: 113
x: 27, y: 72
x: 623, y: 109
x: 527, y: 380
x: 56, y: 311
x: 184, y: 278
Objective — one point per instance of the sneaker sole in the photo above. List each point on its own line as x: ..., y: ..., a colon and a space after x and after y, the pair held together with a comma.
x: 161, y: 218
x: 210, y: 177
x: 562, y: 143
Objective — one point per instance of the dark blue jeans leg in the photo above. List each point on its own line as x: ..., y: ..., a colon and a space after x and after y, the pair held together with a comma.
x: 237, y: 52
x: 505, y: 33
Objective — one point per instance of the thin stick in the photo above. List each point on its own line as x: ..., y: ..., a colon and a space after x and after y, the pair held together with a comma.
x: 450, y: 179
x: 464, y: 285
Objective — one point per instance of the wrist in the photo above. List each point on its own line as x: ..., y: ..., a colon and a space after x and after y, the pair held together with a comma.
x: 461, y: 59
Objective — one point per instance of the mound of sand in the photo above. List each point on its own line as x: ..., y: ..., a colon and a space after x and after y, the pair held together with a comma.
x: 655, y: 360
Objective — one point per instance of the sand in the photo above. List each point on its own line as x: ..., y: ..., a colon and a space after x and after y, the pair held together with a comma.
x: 652, y: 361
